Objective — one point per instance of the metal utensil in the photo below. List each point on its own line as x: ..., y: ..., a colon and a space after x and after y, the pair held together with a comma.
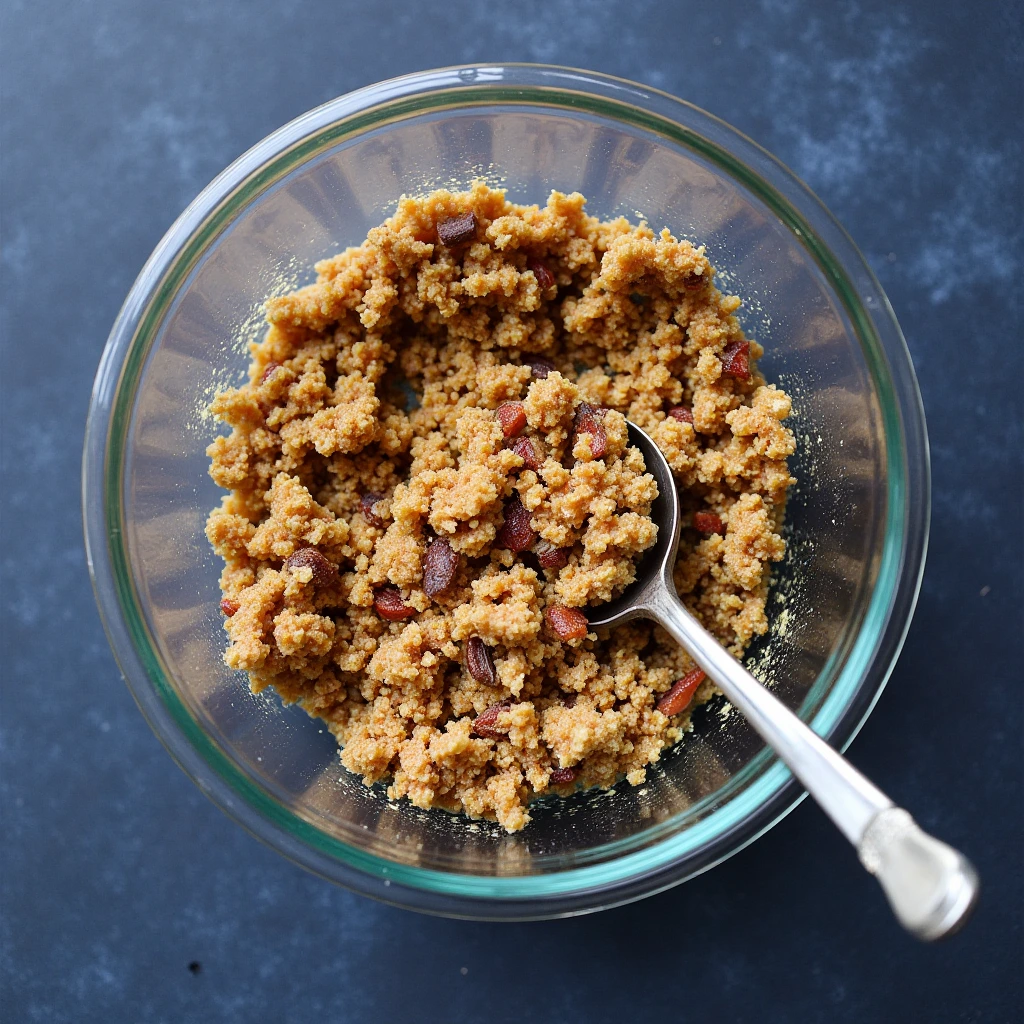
x: 932, y: 887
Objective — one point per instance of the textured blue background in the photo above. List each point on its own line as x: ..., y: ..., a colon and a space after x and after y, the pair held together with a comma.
x: 905, y: 118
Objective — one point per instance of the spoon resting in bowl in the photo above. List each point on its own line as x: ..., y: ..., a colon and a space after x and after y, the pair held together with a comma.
x: 931, y: 887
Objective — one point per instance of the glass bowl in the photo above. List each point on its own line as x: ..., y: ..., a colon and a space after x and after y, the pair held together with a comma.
x: 857, y: 519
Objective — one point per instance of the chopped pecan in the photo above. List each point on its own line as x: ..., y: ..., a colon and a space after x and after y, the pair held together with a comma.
x: 512, y: 417
x: 366, y: 503
x: 549, y: 556
x: 526, y: 449
x: 456, y: 230
x: 439, y: 565
x: 483, y: 724
x: 479, y: 661
x: 682, y: 413
x: 691, y: 282
x: 228, y: 607
x: 516, y: 532
x: 568, y: 623
x: 388, y: 604
x: 588, y: 421
x: 736, y: 360
x: 708, y: 522
x: 539, y: 366
x: 324, y: 572
x: 563, y: 776
x: 268, y: 372
x: 681, y: 694
x: 545, y: 279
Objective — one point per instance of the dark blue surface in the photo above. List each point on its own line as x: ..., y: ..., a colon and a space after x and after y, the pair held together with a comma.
x: 116, y: 872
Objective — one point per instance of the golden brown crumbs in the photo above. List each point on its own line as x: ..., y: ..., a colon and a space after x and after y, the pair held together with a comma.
x: 465, y: 677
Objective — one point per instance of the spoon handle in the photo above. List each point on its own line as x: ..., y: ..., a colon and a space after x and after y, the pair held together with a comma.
x: 930, y: 886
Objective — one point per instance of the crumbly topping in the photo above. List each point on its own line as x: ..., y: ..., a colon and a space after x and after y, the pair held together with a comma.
x: 468, y: 677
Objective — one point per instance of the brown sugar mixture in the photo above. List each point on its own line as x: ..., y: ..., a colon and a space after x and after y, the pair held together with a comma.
x: 430, y: 482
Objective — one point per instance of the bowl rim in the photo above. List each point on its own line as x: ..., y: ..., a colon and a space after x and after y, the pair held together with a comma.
x: 877, y: 643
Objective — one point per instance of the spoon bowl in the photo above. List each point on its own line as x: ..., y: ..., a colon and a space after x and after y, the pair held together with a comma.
x: 654, y: 570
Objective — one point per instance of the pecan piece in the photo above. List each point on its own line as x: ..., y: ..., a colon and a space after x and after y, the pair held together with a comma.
x: 324, y: 572
x: 708, y: 522
x: 681, y: 694
x: 366, y: 503
x: 682, y: 413
x: 512, y: 417
x: 456, y: 230
x: 268, y: 372
x: 549, y: 556
x: 736, y: 360
x: 439, y: 565
x: 691, y: 282
x: 526, y: 449
x: 563, y: 776
x: 539, y: 366
x: 567, y: 623
x: 483, y: 724
x: 228, y: 607
x: 516, y: 532
x: 588, y: 421
x: 388, y: 604
x: 479, y: 661
x: 545, y: 279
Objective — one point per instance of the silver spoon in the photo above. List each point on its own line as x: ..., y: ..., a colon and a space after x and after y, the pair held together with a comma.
x: 932, y: 887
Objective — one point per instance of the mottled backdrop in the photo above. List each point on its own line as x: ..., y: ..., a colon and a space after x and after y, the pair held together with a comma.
x: 117, y: 874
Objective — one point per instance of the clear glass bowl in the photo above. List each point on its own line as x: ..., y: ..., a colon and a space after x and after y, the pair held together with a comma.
x: 857, y: 519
